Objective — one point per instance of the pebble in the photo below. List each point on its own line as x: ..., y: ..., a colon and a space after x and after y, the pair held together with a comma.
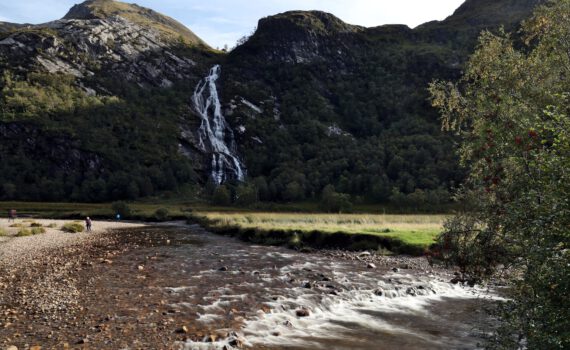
x: 182, y: 329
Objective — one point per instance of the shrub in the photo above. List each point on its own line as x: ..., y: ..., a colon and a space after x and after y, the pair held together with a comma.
x: 246, y: 195
x: 17, y: 225
x: 38, y: 230
x: 221, y: 196
x: 72, y: 227
x: 334, y: 202
x: 121, y: 208
x: 3, y: 232
x: 35, y: 224
x: 52, y: 225
x: 161, y: 214
x: 24, y: 232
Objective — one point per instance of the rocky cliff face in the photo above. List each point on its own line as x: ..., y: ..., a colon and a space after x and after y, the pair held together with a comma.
x: 310, y: 99
x: 103, y: 36
x: 302, y: 37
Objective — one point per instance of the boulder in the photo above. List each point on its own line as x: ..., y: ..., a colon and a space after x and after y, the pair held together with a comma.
x: 302, y: 312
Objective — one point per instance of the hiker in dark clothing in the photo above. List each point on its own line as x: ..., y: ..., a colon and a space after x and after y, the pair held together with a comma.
x: 88, y: 224
x: 12, y: 215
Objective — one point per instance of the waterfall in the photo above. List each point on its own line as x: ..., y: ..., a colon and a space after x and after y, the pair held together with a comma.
x: 214, y: 135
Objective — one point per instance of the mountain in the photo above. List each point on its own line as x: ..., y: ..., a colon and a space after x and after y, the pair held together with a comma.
x: 146, y: 18
x: 8, y: 27
x: 347, y: 105
x: 116, y: 101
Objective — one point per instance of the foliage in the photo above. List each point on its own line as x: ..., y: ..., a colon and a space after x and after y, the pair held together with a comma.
x: 3, y: 232
x: 24, y: 232
x: 121, y: 208
x: 221, y: 196
x: 72, y: 227
x: 161, y: 214
x: 333, y: 202
x: 88, y: 148
x: 38, y: 230
x: 512, y: 109
x: 360, y: 125
x: 246, y: 195
x: 419, y: 230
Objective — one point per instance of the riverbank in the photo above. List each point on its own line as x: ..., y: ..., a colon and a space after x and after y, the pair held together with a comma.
x: 40, y: 279
x: 390, y: 234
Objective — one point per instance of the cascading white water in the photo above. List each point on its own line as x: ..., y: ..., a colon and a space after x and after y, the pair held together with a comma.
x: 215, y: 136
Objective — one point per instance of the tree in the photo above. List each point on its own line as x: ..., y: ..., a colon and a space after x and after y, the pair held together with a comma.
x: 221, y: 196
x: 512, y: 109
x: 293, y: 192
x: 334, y: 202
x: 246, y: 195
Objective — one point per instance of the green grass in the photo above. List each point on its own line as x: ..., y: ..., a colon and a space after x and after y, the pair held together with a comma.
x: 24, y: 232
x: 72, y: 227
x: 409, y: 229
x: 400, y: 234
x: 38, y: 230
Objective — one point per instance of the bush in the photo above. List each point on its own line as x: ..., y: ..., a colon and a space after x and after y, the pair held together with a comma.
x: 24, y: 232
x: 72, y: 227
x: 246, y: 195
x: 121, y: 208
x: 35, y: 224
x: 333, y: 202
x: 161, y: 214
x: 38, y: 230
x: 3, y: 232
x: 221, y: 196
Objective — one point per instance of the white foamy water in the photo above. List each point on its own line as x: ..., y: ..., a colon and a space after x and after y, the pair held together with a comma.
x: 350, y: 308
x: 214, y: 135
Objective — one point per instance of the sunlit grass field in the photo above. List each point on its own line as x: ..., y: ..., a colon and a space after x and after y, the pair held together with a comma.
x: 410, y: 229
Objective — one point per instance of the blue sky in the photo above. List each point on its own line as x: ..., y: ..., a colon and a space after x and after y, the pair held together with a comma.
x: 221, y: 22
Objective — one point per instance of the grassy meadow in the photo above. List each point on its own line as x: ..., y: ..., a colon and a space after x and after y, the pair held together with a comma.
x: 416, y: 230
x: 400, y: 233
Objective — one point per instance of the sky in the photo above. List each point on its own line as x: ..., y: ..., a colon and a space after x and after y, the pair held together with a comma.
x: 221, y: 22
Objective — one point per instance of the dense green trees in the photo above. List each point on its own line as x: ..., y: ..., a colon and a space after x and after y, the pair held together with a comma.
x: 60, y: 143
x: 360, y: 123
x: 512, y: 109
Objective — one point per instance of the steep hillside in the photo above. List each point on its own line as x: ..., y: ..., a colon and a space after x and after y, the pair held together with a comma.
x: 117, y: 101
x: 347, y: 106
x: 93, y: 105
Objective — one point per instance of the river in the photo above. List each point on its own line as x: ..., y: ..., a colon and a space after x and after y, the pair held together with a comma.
x: 216, y: 292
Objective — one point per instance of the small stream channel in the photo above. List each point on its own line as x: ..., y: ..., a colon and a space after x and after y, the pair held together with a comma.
x: 222, y: 293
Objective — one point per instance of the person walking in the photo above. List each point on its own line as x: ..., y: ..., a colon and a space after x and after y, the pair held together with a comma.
x: 88, y: 224
x: 12, y: 215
